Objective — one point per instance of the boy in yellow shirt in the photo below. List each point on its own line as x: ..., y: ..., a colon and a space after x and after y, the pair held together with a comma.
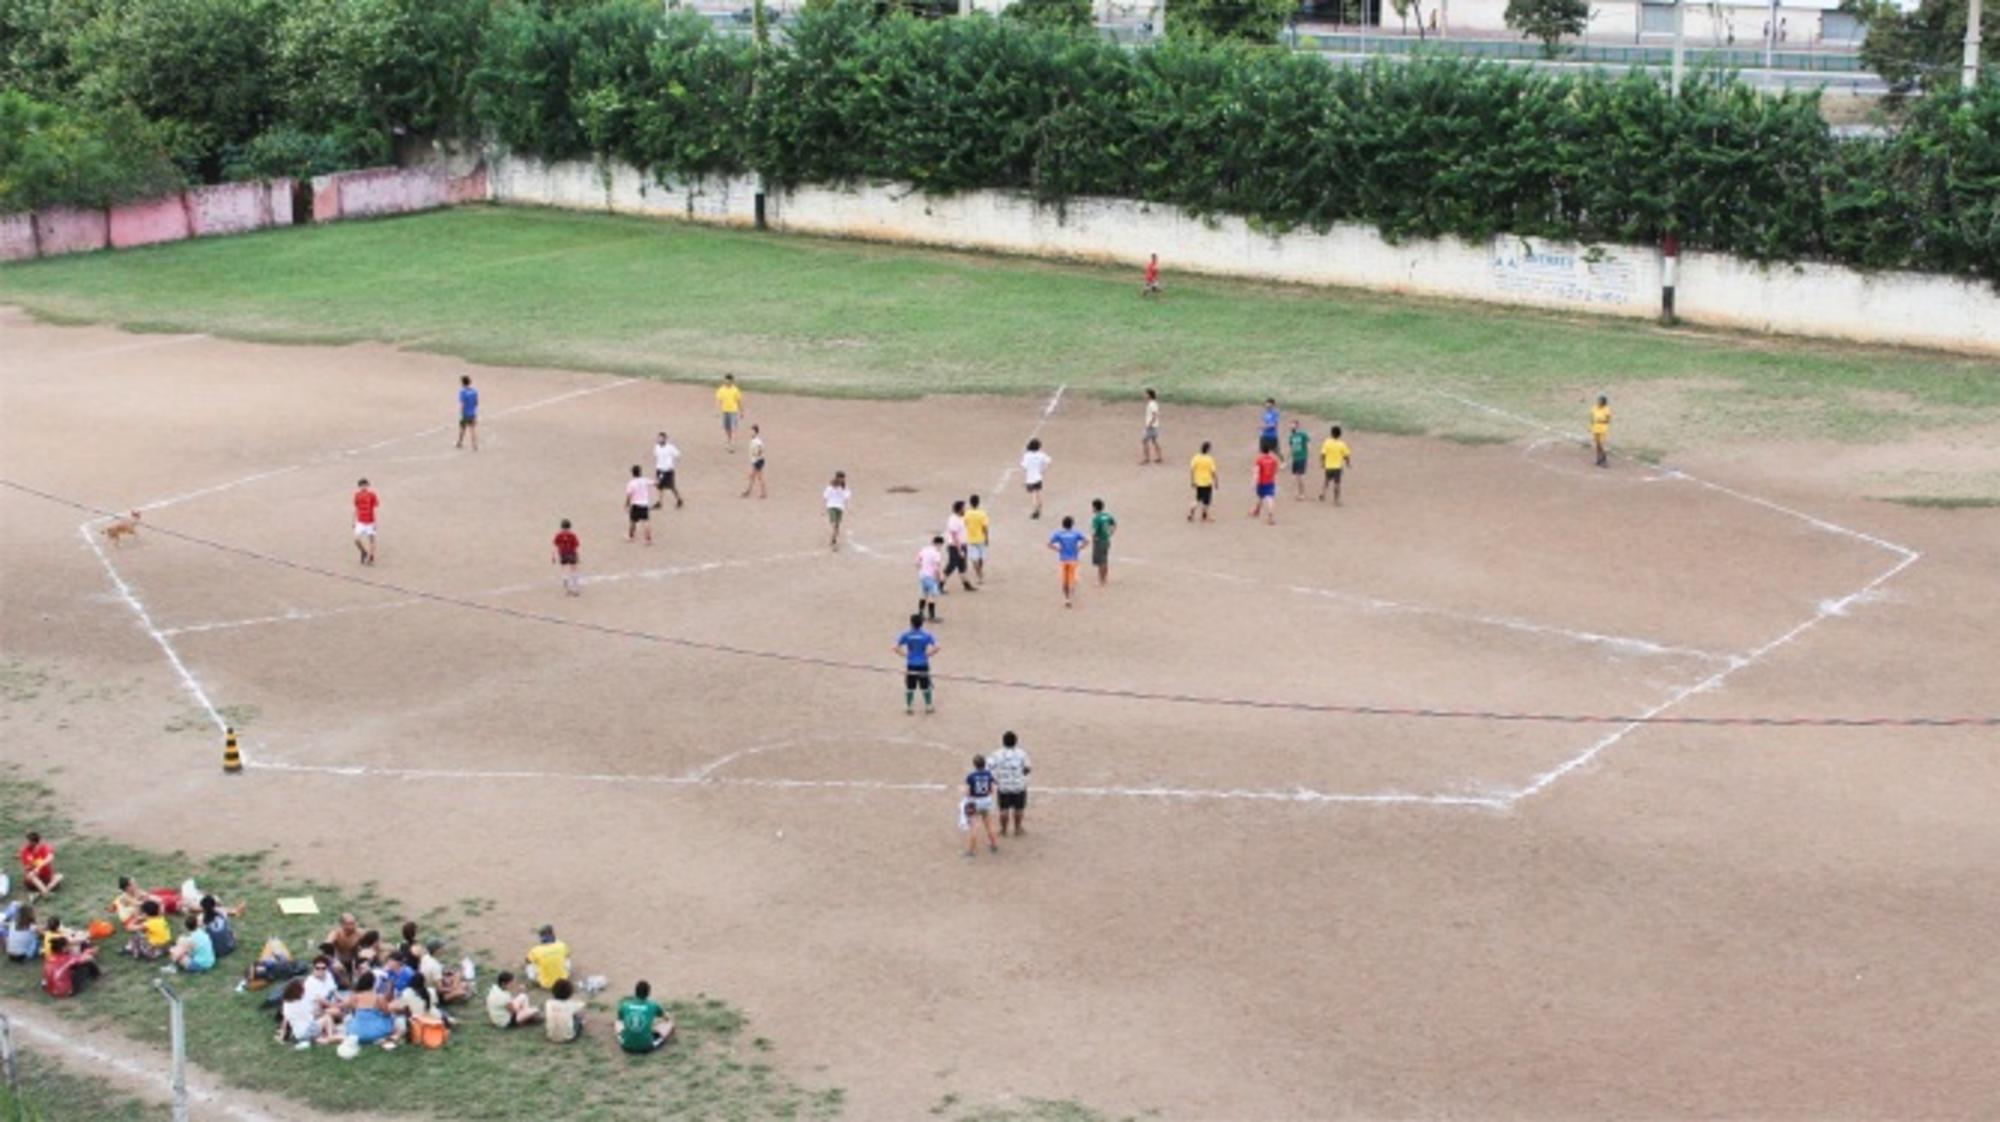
x: 1201, y: 472
x: 729, y: 399
x: 548, y: 959
x: 1334, y: 456
x: 1600, y: 429
x: 978, y: 531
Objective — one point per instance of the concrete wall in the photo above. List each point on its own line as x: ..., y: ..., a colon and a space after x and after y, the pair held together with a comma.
x: 148, y: 222
x: 1899, y: 308
x: 379, y: 191
x: 230, y: 208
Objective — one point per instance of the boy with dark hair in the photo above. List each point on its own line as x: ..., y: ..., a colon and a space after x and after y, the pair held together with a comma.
x: 1334, y: 456
x: 567, y: 548
x: 1102, y: 526
x: 979, y: 803
x: 1301, y: 449
x: 365, y: 502
x: 638, y: 1022
x: 916, y: 646
x: 468, y: 412
x: 1034, y: 465
x: 1010, y: 768
x: 978, y: 532
x: 1068, y: 546
x: 930, y: 576
x: 1202, y: 474
x: 638, y: 504
x: 955, y: 543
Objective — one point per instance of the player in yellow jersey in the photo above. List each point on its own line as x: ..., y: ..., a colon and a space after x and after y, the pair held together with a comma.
x: 1334, y: 456
x: 729, y: 399
x: 978, y: 531
x: 1202, y: 473
x: 1600, y: 429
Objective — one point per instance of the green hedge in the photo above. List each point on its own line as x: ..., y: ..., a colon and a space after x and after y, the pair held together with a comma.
x: 1429, y: 148
x: 55, y: 156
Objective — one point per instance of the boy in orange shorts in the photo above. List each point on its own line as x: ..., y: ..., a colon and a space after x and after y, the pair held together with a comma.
x: 1068, y: 544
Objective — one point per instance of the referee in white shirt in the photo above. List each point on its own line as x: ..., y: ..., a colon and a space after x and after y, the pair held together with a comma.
x: 1010, y: 769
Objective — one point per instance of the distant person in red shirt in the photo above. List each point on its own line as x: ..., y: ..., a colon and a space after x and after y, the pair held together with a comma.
x: 566, y: 556
x: 365, y: 502
x: 38, y: 867
x: 1267, y: 488
x: 1152, y: 276
x: 65, y: 971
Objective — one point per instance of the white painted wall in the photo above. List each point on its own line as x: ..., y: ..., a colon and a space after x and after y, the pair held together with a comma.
x: 1900, y: 308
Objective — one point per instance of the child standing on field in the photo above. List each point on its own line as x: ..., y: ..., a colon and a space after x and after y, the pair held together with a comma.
x: 1149, y: 438
x: 729, y: 399
x: 955, y: 543
x: 468, y: 412
x: 1034, y: 464
x: 1600, y: 429
x: 916, y: 646
x: 567, y: 549
x: 1202, y: 473
x: 836, y: 496
x: 1334, y: 456
x: 1068, y: 545
x: 930, y: 576
x: 1267, y: 488
x: 638, y: 505
x: 978, y: 531
x: 1152, y: 287
x: 1301, y: 449
x: 756, y: 482
x: 979, y: 803
x: 365, y: 502
x: 666, y: 456
x: 1102, y: 526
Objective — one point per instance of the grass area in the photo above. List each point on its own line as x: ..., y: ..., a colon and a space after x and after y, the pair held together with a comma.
x: 627, y: 295
x: 52, y: 1093
x: 1946, y: 502
x: 713, y: 1071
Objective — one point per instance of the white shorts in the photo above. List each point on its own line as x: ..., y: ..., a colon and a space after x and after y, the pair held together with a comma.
x: 976, y: 552
x: 364, y: 529
x: 982, y: 806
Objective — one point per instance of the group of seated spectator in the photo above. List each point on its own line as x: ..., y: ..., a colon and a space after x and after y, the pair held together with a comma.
x: 357, y: 991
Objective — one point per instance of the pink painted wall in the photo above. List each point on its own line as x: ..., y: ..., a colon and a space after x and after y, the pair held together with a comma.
x: 71, y: 230
x: 148, y: 222
x: 17, y: 237
x: 232, y: 208
x: 280, y: 197
x: 376, y: 191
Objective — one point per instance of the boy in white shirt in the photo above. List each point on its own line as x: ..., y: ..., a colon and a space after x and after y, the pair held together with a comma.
x: 837, y: 496
x: 639, y: 504
x: 665, y: 456
x: 1034, y: 464
x: 1149, y: 441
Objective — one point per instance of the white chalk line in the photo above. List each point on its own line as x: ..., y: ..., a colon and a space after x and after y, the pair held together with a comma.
x: 1592, y: 474
x: 145, y: 618
x: 1623, y: 644
x: 1824, y: 610
x: 1048, y: 411
x: 32, y: 1026
x: 151, y: 342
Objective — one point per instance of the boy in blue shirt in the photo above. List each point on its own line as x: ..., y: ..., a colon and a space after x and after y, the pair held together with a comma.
x: 1068, y: 544
x: 468, y: 412
x: 979, y: 802
x: 916, y: 646
x: 1267, y: 436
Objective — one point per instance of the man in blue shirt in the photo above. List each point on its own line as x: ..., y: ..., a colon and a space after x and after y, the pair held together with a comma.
x: 468, y: 412
x: 1267, y: 436
x: 1068, y: 544
x: 916, y: 646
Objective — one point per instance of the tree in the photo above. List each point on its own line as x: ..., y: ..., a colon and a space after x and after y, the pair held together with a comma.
x: 1924, y: 46
x: 1548, y: 20
x: 1243, y: 21
x: 1072, y: 14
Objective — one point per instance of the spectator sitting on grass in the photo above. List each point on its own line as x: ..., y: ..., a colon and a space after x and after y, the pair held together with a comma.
x: 394, y: 976
x: 507, y: 1004
x: 564, y: 1013
x: 66, y: 972
x: 548, y: 960
x: 369, y: 1019
x: 346, y: 937
x: 342, y: 976
x: 215, y: 920
x: 322, y: 991
x: 23, y: 941
x: 195, y: 952
x: 639, y: 1022
x: 446, y: 985
x: 150, y: 934
x: 368, y: 953
x: 416, y: 1001
x: 302, y: 1020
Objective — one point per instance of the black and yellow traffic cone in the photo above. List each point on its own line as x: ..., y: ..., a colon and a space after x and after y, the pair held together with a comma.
x: 232, y: 760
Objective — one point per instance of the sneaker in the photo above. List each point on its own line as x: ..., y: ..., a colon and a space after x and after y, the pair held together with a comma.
x: 302, y: 1046
x: 992, y: 848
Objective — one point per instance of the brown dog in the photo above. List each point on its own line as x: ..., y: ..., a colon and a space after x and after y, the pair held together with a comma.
x: 127, y: 527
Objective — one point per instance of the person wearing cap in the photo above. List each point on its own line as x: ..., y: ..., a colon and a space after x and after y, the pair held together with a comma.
x: 548, y: 959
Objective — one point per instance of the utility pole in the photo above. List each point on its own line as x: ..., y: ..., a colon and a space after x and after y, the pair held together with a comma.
x: 1680, y: 47
x: 177, y: 1027
x: 1771, y: 37
x: 1971, y: 44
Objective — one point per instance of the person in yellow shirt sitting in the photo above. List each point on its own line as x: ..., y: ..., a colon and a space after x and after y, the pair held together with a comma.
x: 150, y: 934
x: 1334, y: 456
x: 548, y: 960
x: 1201, y: 472
x: 729, y: 398
x: 1600, y: 429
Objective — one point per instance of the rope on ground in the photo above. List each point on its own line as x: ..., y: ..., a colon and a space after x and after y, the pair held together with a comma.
x: 1029, y: 685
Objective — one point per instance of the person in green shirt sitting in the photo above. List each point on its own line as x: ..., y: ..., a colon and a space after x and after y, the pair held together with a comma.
x: 1301, y: 445
x: 642, y: 1025
x: 1102, y: 526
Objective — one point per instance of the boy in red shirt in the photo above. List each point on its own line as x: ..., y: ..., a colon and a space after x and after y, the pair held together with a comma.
x: 365, y: 502
x: 65, y: 972
x: 1152, y: 276
x: 1267, y: 488
x: 566, y: 556
x: 38, y: 867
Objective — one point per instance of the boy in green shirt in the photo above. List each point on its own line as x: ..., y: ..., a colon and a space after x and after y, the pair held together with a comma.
x: 1102, y: 526
x: 1301, y: 452
x: 638, y: 1017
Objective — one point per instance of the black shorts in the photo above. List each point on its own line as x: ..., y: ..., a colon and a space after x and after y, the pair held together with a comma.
x: 1033, y: 487
x: 641, y: 513
x: 463, y: 421
x: 954, y: 560
x: 666, y: 479
x: 1298, y: 467
x: 916, y: 679
x: 568, y: 558
x: 1204, y: 495
x: 1333, y: 475
x: 1100, y: 552
x: 1267, y: 444
x: 1013, y: 800
x: 757, y: 465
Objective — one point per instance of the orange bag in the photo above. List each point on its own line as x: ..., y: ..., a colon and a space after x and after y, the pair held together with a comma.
x: 100, y: 930
x: 429, y: 1032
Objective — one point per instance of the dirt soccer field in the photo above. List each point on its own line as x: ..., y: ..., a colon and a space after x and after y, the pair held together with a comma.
x: 1221, y: 910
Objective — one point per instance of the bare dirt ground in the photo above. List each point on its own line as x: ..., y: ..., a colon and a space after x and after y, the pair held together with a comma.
x: 1220, y: 912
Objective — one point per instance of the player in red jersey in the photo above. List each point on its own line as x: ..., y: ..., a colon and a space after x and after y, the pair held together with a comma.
x: 566, y: 556
x: 1267, y: 488
x: 365, y: 502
